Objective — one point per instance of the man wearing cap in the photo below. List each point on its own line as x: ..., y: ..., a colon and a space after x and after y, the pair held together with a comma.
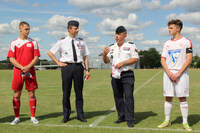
x: 123, y: 55
x: 73, y: 53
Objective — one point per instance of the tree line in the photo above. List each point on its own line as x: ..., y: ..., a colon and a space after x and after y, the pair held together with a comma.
x: 149, y: 59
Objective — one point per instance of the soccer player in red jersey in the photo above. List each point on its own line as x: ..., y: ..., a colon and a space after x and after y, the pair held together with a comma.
x: 23, y: 54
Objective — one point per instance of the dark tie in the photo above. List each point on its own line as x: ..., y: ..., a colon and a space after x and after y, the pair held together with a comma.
x: 74, y: 51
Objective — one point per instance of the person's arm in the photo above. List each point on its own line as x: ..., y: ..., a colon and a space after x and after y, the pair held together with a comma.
x: 53, y: 57
x: 33, y: 62
x: 164, y: 65
x: 86, y: 63
x: 184, y: 67
x: 105, y: 57
x: 127, y: 62
x: 15, y: 63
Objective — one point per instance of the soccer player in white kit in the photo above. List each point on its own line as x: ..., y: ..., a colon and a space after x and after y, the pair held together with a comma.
x: 175, y: 59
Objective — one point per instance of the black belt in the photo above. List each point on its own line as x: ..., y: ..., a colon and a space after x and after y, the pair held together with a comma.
x: 68, y: 63
x: 127, y: 71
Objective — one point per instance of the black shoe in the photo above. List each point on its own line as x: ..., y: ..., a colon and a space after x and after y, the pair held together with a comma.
x: 81, y: 119
x: 130, y: 124
x: 64, y: 120
x: 119, y: 121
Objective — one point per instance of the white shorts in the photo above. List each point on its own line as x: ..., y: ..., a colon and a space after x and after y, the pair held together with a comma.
x: 181, y: 87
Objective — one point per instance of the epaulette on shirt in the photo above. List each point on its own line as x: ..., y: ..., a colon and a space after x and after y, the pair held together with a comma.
x: 81, y: 39
x: 111, y: 45
x: 131, y: 42
x: 62, y: 38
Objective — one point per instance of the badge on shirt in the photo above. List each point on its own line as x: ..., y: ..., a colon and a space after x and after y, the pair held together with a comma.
x: 79, y: 46
x: 126, y: 48
x: 28, y: 45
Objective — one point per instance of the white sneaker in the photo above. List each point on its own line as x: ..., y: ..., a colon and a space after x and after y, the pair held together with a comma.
x: 15, y: 121
x: 34, y: 120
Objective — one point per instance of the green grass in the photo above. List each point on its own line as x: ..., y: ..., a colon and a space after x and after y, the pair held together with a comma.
x: 98, y: 100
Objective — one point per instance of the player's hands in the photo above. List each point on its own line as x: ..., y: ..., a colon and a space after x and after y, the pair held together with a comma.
x: 175, y: 76
x: 119, y: 65
x: 106, y: 51
x: 25, y: 69
x: 61, y: 64
x: 87, y: 73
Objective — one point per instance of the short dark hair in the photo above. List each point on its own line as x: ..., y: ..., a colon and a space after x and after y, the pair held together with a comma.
x: 177, y: 22
x: 120, y: 29
x: 73, y: 23
x: 22, y: 23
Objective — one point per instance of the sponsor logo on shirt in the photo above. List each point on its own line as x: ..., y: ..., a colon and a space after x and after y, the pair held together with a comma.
x: 174, y: 54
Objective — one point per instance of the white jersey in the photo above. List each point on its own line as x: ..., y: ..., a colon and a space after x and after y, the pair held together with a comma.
x: 119, y: 54
x: 175, y: 52
x: 64, y: 47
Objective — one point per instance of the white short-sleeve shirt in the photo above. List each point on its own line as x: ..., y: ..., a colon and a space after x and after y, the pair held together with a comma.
x: 175, y: 52
x: 64, y: 48
x: 119, y: 54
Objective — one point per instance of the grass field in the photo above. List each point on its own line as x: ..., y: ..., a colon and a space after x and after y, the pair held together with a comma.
x: 98, y: 102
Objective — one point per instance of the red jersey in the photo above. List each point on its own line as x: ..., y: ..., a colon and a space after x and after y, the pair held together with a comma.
x: 23, y: 50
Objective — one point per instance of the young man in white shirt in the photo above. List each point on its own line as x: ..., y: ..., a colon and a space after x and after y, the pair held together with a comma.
x: 175, y: 59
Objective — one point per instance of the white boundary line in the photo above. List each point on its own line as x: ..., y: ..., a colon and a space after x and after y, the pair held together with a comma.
x: 103, y: 127
x: 101, y: 118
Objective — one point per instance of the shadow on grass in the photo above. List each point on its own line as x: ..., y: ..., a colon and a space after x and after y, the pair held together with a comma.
x: 140, y: 116
x: 11, y: 118
x: 51, y: 115
x: 192, y: 119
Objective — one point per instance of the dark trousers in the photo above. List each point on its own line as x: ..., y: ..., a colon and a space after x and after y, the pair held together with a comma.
x: 123, y: 95
x: 72, y: 72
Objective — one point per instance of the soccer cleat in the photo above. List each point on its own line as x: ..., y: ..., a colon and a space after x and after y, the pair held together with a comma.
x: 15, y: 121
x: 164, y: 124
x: 187, y: 127
x: 34, y: 120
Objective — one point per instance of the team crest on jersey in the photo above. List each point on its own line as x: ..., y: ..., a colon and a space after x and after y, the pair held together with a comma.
x: 174, y: 54
x: 28, y: 45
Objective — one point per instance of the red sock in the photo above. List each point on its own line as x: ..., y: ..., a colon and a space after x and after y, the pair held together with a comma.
x: 32, y: 105
x: 16, y: 106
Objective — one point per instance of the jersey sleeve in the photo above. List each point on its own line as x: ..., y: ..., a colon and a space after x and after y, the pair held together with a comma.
x: 134, y: 51
x: 189, y: 47
x: 56, y: 47
x: 86, y: 50
x: 36, y: 49
x: 11, y: 52
x: 164, y: 52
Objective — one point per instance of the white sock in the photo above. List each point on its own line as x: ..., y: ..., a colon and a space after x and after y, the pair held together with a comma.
x: 184, y: 111
x: 168, y: 109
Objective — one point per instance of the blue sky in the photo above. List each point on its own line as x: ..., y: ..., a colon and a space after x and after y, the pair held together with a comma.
x: 145, y: 20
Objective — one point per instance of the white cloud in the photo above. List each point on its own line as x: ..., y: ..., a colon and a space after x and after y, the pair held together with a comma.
x: 192, y: 17
x: 189, y: 5
x: 35, y: 5
x: 108, y: 8
x: 36, y: 38
x: 57, y: 25
x: 11, y: 28
x: 192, y: 33
x: 153, y: 5
x: 93, y: 39
x: 15, y: 1
x: 108, y: 25
x: 35, y: 29
x: 134, y: 36
x: 151, y: 42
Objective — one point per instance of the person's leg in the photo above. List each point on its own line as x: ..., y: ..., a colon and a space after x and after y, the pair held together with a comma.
x: 168, y: 108
x: 119, y: 99
x: 184, y: 109
x: 128, y: 86
x: 66, y: 73
x: 78, y: 87
x: 17, y: 85
x: 16, y: 103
